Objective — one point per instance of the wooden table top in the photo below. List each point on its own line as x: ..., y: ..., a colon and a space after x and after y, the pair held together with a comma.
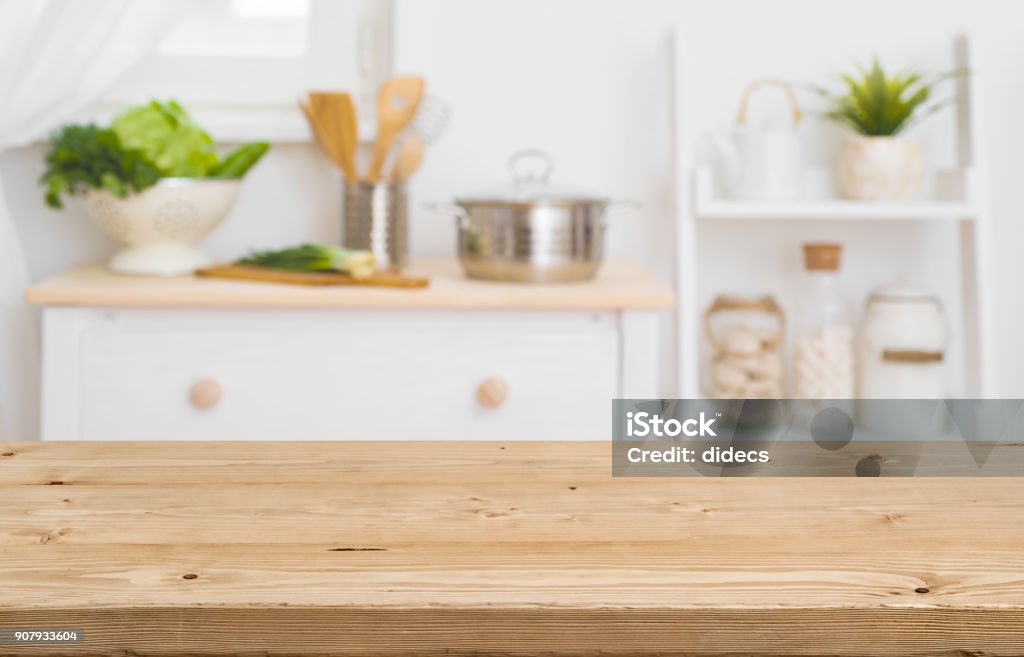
x: 493, y: 548
x: 620, y: 285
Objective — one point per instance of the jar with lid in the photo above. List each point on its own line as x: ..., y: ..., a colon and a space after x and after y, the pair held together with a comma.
x: 823, y: 352
x: 744, y: 339
x: 901, y: 346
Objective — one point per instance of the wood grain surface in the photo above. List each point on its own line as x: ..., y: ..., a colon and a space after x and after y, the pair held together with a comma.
x: 493, y: 548
x: 619, y: 285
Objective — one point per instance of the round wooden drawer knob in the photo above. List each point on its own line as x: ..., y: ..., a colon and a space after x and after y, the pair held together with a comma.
x: 205, y: 394
x: 492, y: 392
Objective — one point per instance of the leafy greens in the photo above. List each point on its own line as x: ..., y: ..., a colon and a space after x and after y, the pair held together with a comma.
x: 142, y: 145
x: 169, y: 137
x: 87, y: 157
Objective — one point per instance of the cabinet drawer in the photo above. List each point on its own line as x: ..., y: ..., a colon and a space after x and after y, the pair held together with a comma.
x: 351, y: 377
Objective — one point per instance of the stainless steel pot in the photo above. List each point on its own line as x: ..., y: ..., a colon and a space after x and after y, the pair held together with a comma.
x: 533, y: 231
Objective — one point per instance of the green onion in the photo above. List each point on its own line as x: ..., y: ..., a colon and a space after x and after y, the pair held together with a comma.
x: 315, y: 257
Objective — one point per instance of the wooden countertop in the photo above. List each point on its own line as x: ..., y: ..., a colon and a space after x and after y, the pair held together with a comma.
x: 619, y: 285
x: 493, y: 548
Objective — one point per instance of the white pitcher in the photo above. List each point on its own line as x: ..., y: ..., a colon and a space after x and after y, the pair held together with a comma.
x: 763, y: 164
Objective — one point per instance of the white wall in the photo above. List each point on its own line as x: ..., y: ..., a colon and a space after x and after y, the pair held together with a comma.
x: 589, y: 81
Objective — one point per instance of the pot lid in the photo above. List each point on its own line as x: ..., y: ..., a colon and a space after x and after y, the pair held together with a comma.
x: 530, y: 170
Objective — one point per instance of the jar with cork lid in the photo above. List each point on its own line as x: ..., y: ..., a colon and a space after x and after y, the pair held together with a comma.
x: 823, y: 351
x: 744, y: 339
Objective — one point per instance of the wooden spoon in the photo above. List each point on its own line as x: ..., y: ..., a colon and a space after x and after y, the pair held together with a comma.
x: 396, y: 105
x: 410, y: 155
x: 318, y: 132
x: 336, y: 114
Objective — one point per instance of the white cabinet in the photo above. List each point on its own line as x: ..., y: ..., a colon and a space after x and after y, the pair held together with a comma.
x: 337, y: 367
x: 386, y: 375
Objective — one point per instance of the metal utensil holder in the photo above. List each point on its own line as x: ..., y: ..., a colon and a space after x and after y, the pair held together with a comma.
x: 376, y: 219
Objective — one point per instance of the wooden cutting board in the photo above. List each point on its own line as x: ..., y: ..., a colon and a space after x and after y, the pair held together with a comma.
x: 267, y: 275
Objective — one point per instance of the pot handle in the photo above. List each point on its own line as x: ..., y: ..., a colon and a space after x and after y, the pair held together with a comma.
x: 450, y: 209
x: 523, y: 175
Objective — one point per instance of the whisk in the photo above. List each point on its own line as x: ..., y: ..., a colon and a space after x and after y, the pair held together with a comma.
x: 426, y: 127
x: 431, y: 118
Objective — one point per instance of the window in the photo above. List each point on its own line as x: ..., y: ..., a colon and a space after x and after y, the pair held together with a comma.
x: 240, y: 65
x: 252, y: 28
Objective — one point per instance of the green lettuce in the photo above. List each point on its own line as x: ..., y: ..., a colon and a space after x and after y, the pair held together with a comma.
x: 168, y: 137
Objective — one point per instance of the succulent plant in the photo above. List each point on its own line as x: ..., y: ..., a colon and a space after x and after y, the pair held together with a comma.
x: 877, y: 104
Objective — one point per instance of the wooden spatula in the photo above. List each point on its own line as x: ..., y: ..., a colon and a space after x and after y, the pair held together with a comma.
x: 326, y: 146
x: 410, y: 155
x: 336, y: 114
x: 396, y: 105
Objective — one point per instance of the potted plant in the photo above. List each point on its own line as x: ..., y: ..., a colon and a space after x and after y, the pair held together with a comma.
x: 877, y: 163
x: 152, y: 179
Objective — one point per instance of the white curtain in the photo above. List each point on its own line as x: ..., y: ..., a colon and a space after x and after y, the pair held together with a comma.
x: 56, y: 57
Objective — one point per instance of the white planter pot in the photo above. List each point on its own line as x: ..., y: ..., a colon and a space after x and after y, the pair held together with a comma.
x: 162, y: 224
x: 881, y: 169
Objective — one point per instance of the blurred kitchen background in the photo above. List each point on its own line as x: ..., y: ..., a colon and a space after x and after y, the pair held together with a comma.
x: 623, y: 95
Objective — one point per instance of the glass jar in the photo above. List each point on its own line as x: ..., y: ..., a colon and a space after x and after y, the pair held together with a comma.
x: 744, y: 338
x: 823, y: 352
x: 902, y: 345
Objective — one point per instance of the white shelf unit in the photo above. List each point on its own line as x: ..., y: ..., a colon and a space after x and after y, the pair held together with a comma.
x: 709, y: 205
x: 966, y: 205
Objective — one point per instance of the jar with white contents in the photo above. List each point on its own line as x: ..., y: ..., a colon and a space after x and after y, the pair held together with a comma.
x: 744, y: 336
x: 902, y: 345
x: 823, y: 352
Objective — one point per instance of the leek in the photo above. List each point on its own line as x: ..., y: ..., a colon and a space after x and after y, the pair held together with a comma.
x: 315, y: 257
